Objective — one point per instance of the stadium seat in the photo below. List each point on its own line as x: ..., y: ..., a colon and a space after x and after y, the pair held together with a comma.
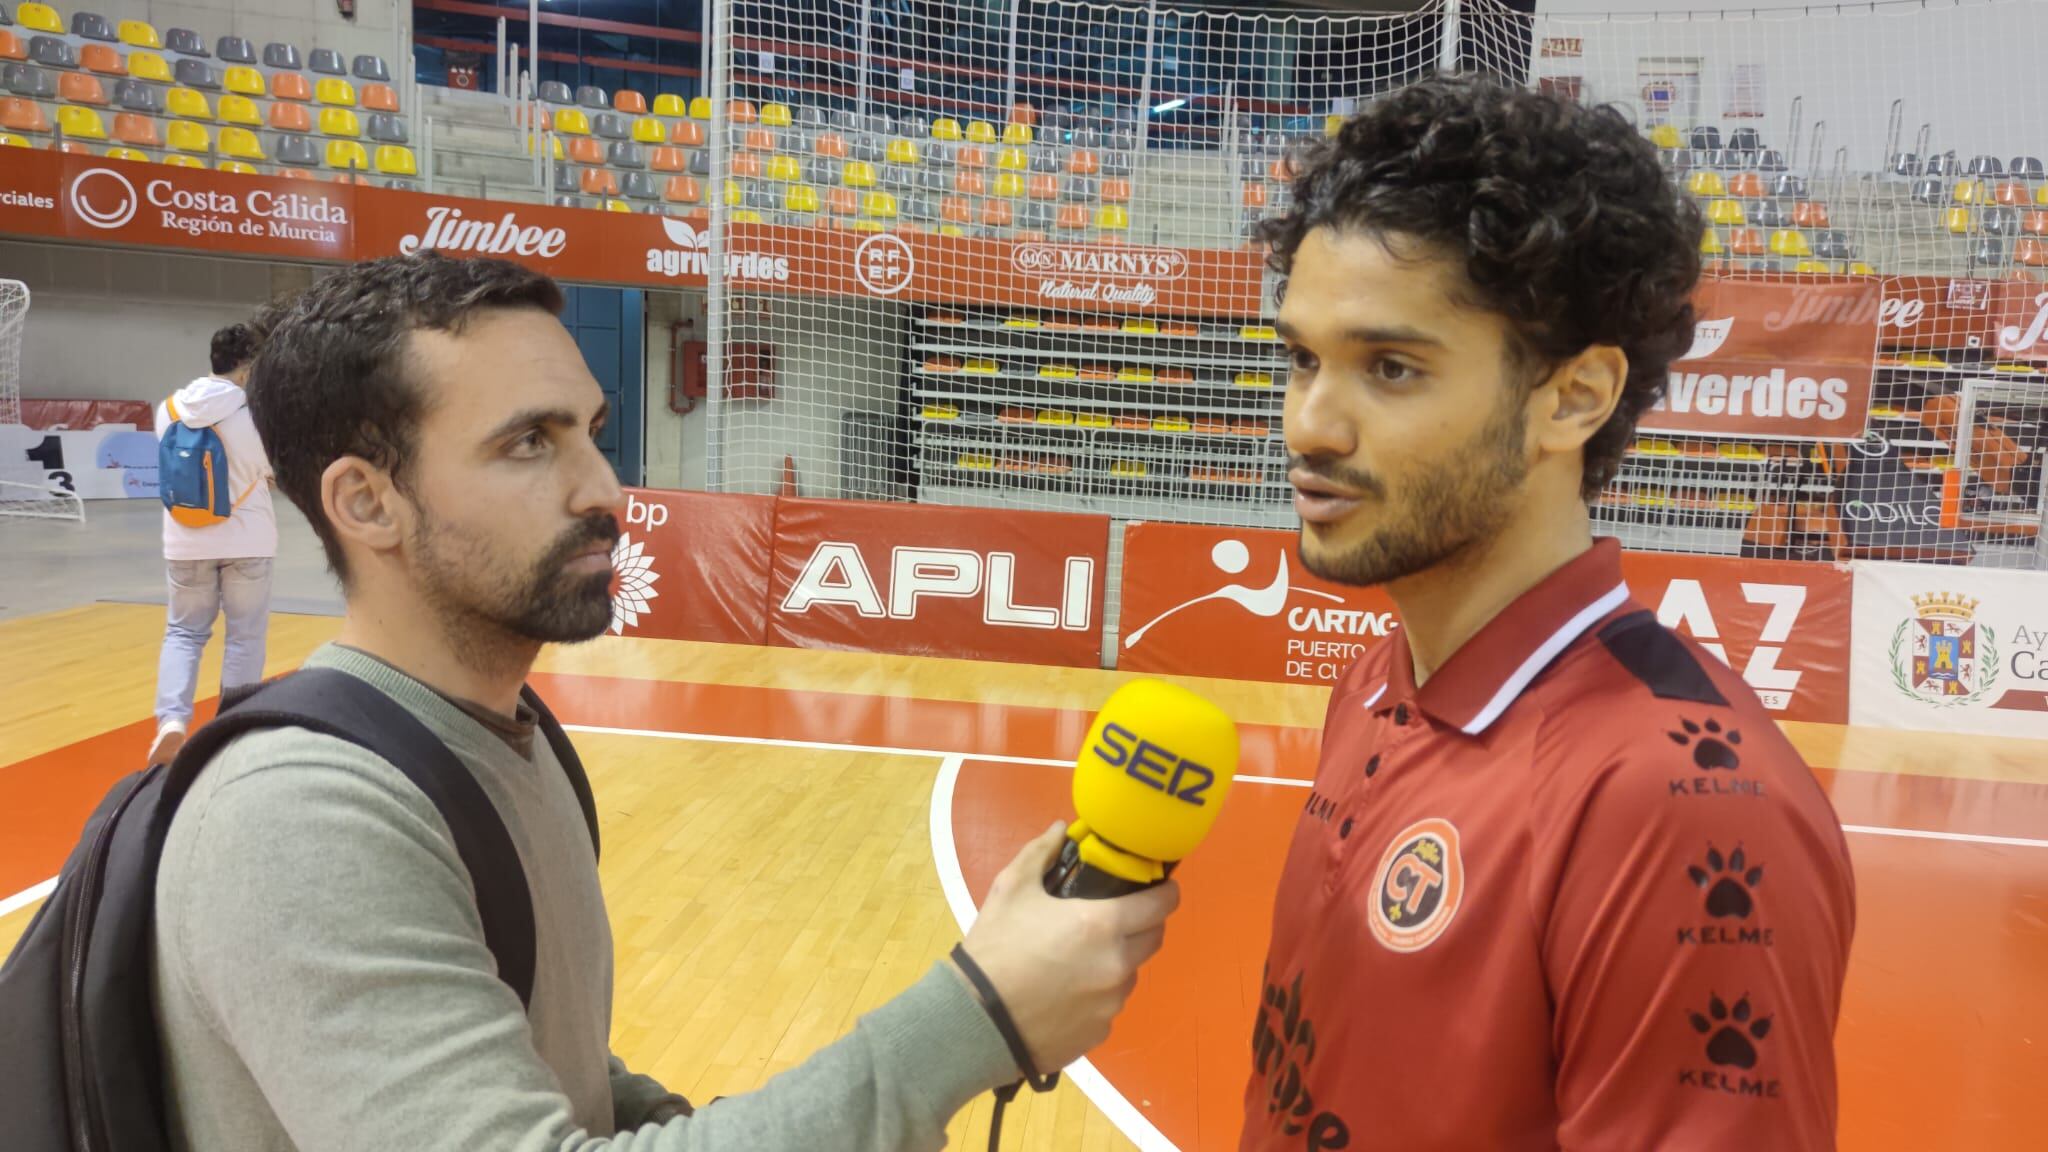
x: 1747, y: 242
x: 1809, y: 214
x: 80, y: 123
x: 1959, y: 221
x: 39, y: 18
x: 185, y: 136
x: 1833, y: 244
x: 587, y: 150
x: 1046, y: 160
x: 1008, y: 185
x: 1081, y: 162
x: 1746, y: 186
x: 185, y: 42
x: 1014, y: 133
x: 741, y: 112
x: 149, y: 66
x: 611, y: 126
x: 10, y: 140
x: 396, y: 160
x: 245, y: 81
x: 1071, y: 218
x: 233, y: 50
x: 327, y: 62
x: 51, y: 52
x: 899, y: 177
x: 700, y: 107
x: 841, y: 201
x: 831, y: 145
x: 198, y: 74
x: 904, y: 151
x: 371, y: 68
x: 878, y: 205
x: 136, y: 96
x: 1012, y: 159
x: 1725, y: 212
x: 734, y: 195
x: 1704, y: 185
x: 134, y: 154
x: 291, y: 118
x: 185, y: 104
x: 971, y: 156
x: 100, y: 59
x: 555, y: 92
x: 334, y: 92
x: 1984, y: 166
x: 291, y: 86
x: 1045, y: 186
x: 2026, y: 168
x: 1790, y: 242
x: 683, y: 190
x: 385, y: 128
x: 648, y: 130
x: 1710, y: 242
x: 1989, y: 250
x: 1969, y: 191
x: 1116, y: 190
x: 811, y: 118
x: 81, y: 88
x: 700, y: 163
x: 801, y: 198
x: 1786, y: 184
x: 775, y: 115
x: 285, y: 57
x: 671, y: 106
x: 1664, y: 136
x: 2031, y: 252
x: 347, y: 155
x: 2000, y: 221
x: 638, y: 186
x: 787, y: 169
x: 1929, y: 190
x: 945, y: 128
x: 339, y: 122
x: 571, y: 122
x: 981, y: 132
x: 878, y: 125
x: 241, y: 144
x: 295, y: 174
x: 666, y: 159
x: 857, y: 174
x: 757, y: 140
x: 1705, y: 137
x: 957, y: 209
x: 300, y: 151
x: 969, y: 182
x: 687, y: 134
x: 1112, y: 217
x: 176, y: 161
x: 626, y: 154
x: 866, y: 148
x: 2034, y: 223
x: 138, y: 129
x: 2010, y: 192
x: 746, y: 165
x: 997, y: 214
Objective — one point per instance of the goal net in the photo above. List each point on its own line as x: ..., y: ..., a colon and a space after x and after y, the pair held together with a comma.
x: 26, y: 490
x: 1027, y: 231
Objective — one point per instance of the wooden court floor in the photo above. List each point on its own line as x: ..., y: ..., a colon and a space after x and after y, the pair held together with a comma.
x: 793, y: 837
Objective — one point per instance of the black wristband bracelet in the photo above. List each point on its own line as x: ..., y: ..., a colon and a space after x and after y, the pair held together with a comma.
x: 999, y: 1014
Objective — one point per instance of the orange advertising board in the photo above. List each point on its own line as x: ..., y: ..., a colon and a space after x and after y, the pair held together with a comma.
x: 1235, y: 603
x: 1784, y: 360
x: 693, y: 566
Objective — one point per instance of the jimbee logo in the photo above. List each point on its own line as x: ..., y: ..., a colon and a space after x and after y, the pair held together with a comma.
x: 1416, y: 891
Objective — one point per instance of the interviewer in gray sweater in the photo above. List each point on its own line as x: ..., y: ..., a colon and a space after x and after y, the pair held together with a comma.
x: 321, y: 977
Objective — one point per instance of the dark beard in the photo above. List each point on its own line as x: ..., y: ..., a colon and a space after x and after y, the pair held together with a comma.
x: 1459, y: 503
x: 540, y: 607
x: 556, y: 610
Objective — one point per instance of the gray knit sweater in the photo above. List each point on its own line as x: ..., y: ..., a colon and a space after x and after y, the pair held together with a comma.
x: 322, y: 981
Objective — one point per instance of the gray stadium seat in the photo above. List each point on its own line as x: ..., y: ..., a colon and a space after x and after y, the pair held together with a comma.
x: 922, y: 206
x: 93, y: 26
x: 385, y: 128
x: 940, y: 153
x: 1046, y: 160
x: 760, y: 197
x: 235, y: 50
x: 1122, y: 140
x: 51, y: 52
x: 296, y: 151
x: 1706, y: 137
x: 1945, y: 164
x: 566, y: 179
x: 591, y: 96
x: 914, y: 125
x: 935, y: 180
x: 1745, y: 140
x: 327, y: 62
x: 866, y: 148
x: 1989, y: 250
x: 2026, y: 168
x: 639, y: 186
x: 810, y: 117
x: 1772, y: 214
x: 1984, y: 166
x: 844, y: 120
x: 1786, y: 184
x: 198, y: 74
x: 373, y: 69
x: 555, y: 92
x: 1117, y: 164
x: 1082, y: 189
x: 626, y: 154
x: 2001, y: 221
x: 399, y: 182
x: 1903, y: 164
x: 281, y: 56
x: 567, y: 202
x: 610, y: 126
x: 878, y: 124
x: 139, y: 96
x: 1035, y: 215
x: 1930, y: 190
x: 1833, y: 244
x: 1086, y: 137
x: 898, y: 177
x: 5, y: 18
x: 30, y: 81
x: 1771, y: 160
x: 185, y: 42
x: 700, y: 162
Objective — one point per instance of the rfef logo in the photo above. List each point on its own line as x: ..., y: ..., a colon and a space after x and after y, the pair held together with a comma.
x: 1419, y: 884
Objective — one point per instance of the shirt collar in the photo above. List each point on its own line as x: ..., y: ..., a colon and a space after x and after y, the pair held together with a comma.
x: 1489, y: 671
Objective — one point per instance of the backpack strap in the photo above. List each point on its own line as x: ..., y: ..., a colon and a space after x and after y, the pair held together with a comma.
x: 334, y: 703
x: 572, y: 765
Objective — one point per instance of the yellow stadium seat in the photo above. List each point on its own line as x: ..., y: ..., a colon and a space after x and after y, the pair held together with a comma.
x: 776, y: 116
x: 347, y: 154
x: 1332, y: 125
x: 617, y: 206
x: 981, y: 132
x: 134, y: 154
x: 80, y: 123
x: 1112, y: 217
x: 1813, y: 267
x: 858, y: 174
x: 787, y: 169
x: 10, y: 140
x: 746, y: 216
x: 648, y: 130
x: 1008, y: 185
x: 1710, y: 243
x: 700, y: 108
x: 1959, y: 221
x: 241, y: 167
x: 1725, y: 212
x: 1012, y: 159
x: 1016, y: 133
x: 864, y: 226
x: 138, y: 34
x: 1789, y: 242
x: 188, y: 104
x: 1664, y: 136
x: 246, y: 81
x: 334, y: 92
x: 339, y: 122
x: 149, y: 66
x: 734, y: 196
x: 1971, y: 191
x: 176, y: 161
x: 40, y: 18
x: 1859, y: 268
x: 671, y: 105
x: 240, y: 110
x: 945, y: 128
x: 880, y: 205
x: 571, y: 122
x: 800, y: 198
x: 904, y: 152
x: 241, y: 144
x: 1706, y: 184
x: 185, y: 136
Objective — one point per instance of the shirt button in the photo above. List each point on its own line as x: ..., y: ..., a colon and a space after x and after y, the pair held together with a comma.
x: 1344, y: 829
x: 1401, y: 715
x: 1372, y: 766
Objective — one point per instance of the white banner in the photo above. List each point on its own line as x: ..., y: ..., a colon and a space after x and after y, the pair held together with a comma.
x: 1949, y: 649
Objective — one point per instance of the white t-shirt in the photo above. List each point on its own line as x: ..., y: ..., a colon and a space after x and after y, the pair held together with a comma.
x: 251, y: 533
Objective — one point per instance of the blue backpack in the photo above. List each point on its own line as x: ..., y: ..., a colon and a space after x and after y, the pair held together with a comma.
x: 192, y: 473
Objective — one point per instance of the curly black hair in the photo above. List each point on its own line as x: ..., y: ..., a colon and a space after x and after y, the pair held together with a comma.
x: 232, y: 347
x: 1561, y: 216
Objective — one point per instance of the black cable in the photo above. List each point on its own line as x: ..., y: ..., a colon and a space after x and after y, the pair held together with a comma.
x: 999, y: 1014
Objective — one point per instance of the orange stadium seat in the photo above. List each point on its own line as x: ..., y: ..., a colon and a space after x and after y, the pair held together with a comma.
x: 968, y: 183
x: 1810, y: 214
x: 11, y: 47
x: 1044, y: 186
x: 1254, y: 194
x: 81, y: 88
x: 683, y: 190
x: 135, y: 128
x: 2011, y: 193
x: 587, y: 150
x: 957, y: 209
x: 100, y: 58
x: 1747, y: 242
x: 2031, y: 252
x: 746, y: 165
x: 831, y: 145
x: 597, y: 181
x: 289, y: 86
x: 630, y: 102
x: 19, y: 115
x: 1071, y: 218
x: 841, y: 201
x: 380, y: 98
x: 1083, y: 162
x: 291, y: 118
x: 686, y: 134
x: 1747, y: 186
x: 970, y: 156
x: 1116, y: 190
x: 741, y: 112
x: 666, y: 159
x: 997, y: 213
x: 758, y: 140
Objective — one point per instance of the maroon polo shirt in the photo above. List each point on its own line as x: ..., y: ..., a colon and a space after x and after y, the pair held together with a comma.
x: 1577, y: 891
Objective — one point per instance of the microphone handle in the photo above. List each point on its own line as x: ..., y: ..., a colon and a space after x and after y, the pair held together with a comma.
x: 1070, y: 879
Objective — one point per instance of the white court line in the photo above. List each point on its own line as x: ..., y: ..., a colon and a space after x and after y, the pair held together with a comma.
x: 24, y: 898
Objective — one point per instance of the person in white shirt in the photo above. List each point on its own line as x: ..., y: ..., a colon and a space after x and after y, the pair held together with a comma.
x: 218, y: 568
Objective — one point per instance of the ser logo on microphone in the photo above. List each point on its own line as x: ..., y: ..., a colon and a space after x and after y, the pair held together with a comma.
x: 1154, y: 766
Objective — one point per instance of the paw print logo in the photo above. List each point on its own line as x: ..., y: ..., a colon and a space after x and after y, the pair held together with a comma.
x: 1732, y: 1032
x: 1728, y: 885
x: 1282, y: 1055
x: 1711, y: 747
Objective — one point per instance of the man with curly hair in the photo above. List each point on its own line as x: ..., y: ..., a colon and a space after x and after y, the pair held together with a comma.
x: 1526, y: 905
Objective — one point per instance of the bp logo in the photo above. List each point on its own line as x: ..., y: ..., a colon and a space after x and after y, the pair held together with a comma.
x: 1942, y: 655
x: 636, y: 576
x: 1418, y: 886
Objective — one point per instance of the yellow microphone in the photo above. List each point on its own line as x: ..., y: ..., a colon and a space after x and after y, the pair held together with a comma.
x: 1148, y: 784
